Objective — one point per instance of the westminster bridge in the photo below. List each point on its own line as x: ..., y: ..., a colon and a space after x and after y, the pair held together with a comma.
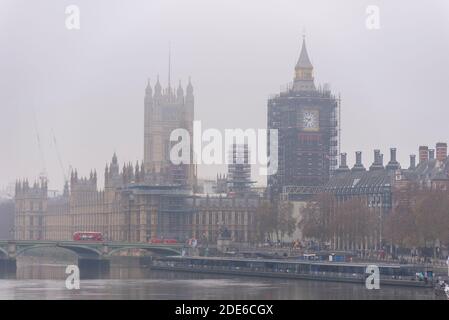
x: 91, y: 255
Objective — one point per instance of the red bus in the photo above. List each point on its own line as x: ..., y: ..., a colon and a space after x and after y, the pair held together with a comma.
x: 155, y: 240
x: 170, y: 241
x: 87, y: 236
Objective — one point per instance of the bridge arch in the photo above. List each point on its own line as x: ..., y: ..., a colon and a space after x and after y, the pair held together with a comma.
x: 80, y: 251
x: 161, y: 250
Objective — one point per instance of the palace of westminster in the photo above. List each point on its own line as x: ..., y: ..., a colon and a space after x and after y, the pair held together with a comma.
x: 157, y: 199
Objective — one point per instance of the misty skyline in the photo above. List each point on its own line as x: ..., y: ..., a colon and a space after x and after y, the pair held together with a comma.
x: 87, y: 86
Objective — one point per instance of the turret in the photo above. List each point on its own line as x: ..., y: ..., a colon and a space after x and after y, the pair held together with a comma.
x: 137, y: 173
x: 180, y: 94
x: 66, y: 189
x: 148, y: 94
x: 18, y: 189
x: 113, y: 168
x: 44, y: 185
x: 189, y: 92
x: 148, y: 90
x: 157, y: 89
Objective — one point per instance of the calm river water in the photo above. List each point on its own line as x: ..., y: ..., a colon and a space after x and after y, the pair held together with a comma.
x: 46, y: 280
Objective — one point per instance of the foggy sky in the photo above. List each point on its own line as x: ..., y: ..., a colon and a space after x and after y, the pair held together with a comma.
x: 87, y: 86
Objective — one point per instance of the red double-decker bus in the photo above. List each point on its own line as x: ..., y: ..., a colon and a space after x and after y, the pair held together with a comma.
x: 87, y: 236
x: 162, y: 241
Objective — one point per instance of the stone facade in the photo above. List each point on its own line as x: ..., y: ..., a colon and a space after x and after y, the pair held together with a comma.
x: 130, y: 211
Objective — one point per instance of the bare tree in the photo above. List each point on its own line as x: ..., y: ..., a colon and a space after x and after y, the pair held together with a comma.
x: 317, y: 221
x: 286, y: 223
x: 265, y: 221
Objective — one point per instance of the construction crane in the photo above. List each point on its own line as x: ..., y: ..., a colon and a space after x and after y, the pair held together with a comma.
x: 43, y: 174
x: 59, y: 156
x: 61, y: 164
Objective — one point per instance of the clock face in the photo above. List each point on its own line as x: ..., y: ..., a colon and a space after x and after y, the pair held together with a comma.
x: 310, y: 120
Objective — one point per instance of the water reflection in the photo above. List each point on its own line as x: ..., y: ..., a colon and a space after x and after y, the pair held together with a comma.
x: 128, y: 280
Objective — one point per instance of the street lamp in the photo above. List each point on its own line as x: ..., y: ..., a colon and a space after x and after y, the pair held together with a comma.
x: 447, y: 262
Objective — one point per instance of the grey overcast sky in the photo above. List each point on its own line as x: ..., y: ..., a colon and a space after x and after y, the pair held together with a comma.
x: 87, y: 85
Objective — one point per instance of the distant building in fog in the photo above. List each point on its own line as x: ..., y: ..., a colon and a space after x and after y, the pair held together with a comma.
x: 165, y: 111
x: 307, y: 120
x: 148, y: 200
x: 6, y: 218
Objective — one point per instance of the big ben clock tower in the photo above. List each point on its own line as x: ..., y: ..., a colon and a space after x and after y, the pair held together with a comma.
x: 307, y: 120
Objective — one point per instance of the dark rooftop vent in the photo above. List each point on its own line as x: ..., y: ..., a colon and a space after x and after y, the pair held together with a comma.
x: 343, y: 165
x: 393, y: 164
x: 412, y: 162
x: 358, y: 166
x: 441, y: 149
x: 378, y: 161
x: 423, y: 153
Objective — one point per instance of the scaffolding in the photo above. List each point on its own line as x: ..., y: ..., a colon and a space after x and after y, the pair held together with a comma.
x: 239, y: 169
x: 306, y: 157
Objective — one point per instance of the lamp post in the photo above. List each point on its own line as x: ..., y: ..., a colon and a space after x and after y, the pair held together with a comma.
x: 447, y: 262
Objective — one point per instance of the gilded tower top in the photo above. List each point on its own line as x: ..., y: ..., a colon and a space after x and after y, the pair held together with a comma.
x: 304, y: 80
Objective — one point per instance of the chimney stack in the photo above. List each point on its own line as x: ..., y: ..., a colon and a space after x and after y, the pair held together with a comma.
x: 378, y: 161
x: 441, y: 149
x: 393, y: 164
x: 423, y: 154
x: 393, y: 154
x: 412, y: 161
x: 343, y: 160
x: 431, y: 154
x: 343, y: 166
x: 358, y: 166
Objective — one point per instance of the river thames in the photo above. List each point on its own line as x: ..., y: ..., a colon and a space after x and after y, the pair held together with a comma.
x: 46, y: 280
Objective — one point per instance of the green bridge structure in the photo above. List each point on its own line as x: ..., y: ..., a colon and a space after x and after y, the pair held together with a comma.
x: 91, y: 255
